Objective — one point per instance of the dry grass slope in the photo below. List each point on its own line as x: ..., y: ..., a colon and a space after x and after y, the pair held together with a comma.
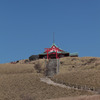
x: 80, y: 71
x: 22, y: 82
x: 94, y: 97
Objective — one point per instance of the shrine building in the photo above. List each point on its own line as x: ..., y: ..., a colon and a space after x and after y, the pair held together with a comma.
x: 55, y: 52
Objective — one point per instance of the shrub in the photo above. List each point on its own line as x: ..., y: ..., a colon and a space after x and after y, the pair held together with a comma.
x: 33, y: 57
x: 26, y: 61
x: 38, y: 68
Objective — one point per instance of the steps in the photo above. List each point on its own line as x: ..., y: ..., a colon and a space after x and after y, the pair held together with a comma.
x: 52, y: 67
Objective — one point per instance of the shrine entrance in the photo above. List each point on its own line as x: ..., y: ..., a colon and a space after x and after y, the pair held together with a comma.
x: 55, y: 52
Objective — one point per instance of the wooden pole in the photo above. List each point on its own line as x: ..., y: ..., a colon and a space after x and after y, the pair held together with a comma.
x: 56, y: 54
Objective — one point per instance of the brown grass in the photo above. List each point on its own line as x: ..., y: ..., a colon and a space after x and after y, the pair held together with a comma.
x: 94, y: 97
x: 80, y: 71
x: 22, y: 82
x: 16, y: 68
x: 20, y: 87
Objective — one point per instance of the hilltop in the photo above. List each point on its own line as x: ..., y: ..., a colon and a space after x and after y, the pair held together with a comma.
x: 21, y: 81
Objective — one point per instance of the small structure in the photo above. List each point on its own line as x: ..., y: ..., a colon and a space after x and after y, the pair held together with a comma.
x: 54, y: 52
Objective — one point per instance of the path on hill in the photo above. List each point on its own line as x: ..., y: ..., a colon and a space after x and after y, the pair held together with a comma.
x: 49, y: 81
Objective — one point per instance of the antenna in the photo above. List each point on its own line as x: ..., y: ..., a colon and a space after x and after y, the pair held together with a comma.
x: 53, y: 38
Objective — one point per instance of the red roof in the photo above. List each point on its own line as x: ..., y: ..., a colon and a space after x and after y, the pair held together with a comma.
x: 53, y: 48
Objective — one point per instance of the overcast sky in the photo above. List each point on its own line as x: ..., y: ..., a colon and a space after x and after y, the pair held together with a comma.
x: 27, y: 26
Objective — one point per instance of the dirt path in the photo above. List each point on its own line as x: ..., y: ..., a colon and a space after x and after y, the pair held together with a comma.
x: 49, y: 81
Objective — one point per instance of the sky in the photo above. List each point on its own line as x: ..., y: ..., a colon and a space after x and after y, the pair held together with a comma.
x: 27, y: 26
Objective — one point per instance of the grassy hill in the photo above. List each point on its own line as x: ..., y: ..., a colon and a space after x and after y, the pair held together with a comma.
x: 21, y: 81
x: 80, y: 71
